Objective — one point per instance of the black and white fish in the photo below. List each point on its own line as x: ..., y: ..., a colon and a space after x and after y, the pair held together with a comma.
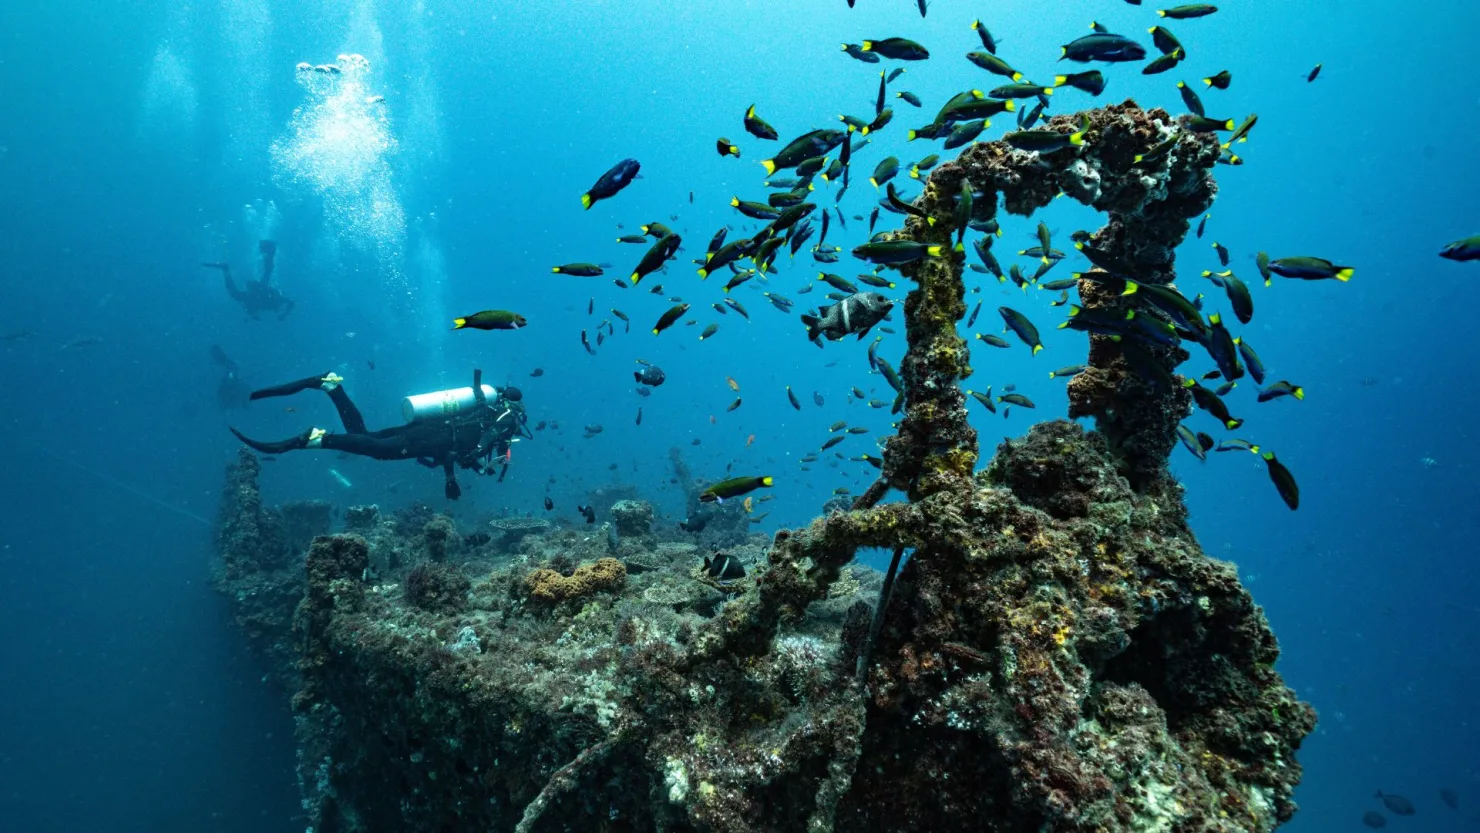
x: 855, y: 314
x: 650, y: 375
x: 724, y: 567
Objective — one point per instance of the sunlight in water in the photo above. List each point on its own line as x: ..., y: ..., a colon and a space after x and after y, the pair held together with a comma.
x: 339, y: 144
x: 248, y: 33
x: 170, y: 96
x: 260, y: 219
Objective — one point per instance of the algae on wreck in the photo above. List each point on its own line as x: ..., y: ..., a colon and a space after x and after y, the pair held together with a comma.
x: 1056, y: 654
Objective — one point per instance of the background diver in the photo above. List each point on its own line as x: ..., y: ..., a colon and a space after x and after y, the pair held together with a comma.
x: 472, y: 437
x: 260, y: 295
x: 232, y: 391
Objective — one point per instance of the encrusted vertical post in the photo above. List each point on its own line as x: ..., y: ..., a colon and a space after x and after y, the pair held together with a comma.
x: 1148, y: 204
x: 1137, y: 415
x: 246, y: 535
x: 935, y: 449
x: 934, y: 455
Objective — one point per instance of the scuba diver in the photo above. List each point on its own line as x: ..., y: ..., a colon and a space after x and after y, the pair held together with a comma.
x: 467, y: 427
x: 232, y: 391
x: 260, y: 295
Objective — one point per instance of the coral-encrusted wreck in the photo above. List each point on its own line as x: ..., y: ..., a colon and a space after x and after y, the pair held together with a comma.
x: 1056, y: 654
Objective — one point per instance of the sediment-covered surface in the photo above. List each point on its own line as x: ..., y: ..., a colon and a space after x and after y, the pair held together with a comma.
x: 1083, y: 666
x: 1089, y: 669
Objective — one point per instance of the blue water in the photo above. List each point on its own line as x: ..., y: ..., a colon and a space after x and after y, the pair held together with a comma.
x: 133, y: 142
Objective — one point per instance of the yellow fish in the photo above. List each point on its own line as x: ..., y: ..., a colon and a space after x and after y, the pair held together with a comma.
x: 749, y: 505
x: 734, y: 385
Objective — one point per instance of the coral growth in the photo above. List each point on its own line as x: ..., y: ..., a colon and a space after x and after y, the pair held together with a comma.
x: 301, y: 522
x: 437, y: 588
x: 439, y: 536
x: 334, y: 565
x: 410, y: 520
x: 258, y: 570
x: 999, y: 686
x: 548, y: 585
x: 1056, y: 654
x: 1079, y: 665
x: 361, y: 518
x: 248, y: 535
x: 1147, y: 206
x: 632, y: 517
x: 508, y: 532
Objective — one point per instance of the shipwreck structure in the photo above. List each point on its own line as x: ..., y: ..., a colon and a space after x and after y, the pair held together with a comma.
x: 1056, y: 653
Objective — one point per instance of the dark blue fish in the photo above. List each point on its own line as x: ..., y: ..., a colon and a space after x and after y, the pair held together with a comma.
x: 1092, y: 82
x: 1466, y: 249
x: 1099, y: 321
x: 1309, y: 269
x: 983, y: 247
x: 1221, y: 347
x: 757, y: 126
x: 1194, y: 105
x: 1191, y: 442
x: 1279, y: 389
x: 718, y: 240
x: 965, y: 133
x: 611, y: 182
x: 1238, y: 293
x: 1284, y: 482
x: 898, y: 49
x: 988, y: 42
x: 1019, y: 324
x: 1251, y: 360
x: 1150, y: 328
x: 1103, y: 47
x: 1210, y: 402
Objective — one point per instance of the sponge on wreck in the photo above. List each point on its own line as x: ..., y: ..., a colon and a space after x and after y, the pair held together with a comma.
x: 547, y: 585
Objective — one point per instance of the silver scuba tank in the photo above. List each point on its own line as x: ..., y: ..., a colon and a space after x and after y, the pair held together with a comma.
x: 443, y: 403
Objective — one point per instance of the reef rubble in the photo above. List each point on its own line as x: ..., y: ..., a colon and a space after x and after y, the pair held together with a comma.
x: 1056, y: 652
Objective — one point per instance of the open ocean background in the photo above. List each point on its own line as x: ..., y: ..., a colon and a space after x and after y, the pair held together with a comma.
x: 135, y: 137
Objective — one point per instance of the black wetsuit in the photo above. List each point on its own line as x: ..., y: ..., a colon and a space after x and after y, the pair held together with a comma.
x: 260, y: 295
x: 474, y: 439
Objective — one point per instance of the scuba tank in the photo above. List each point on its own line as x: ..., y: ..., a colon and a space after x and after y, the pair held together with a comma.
x: 442, y: 403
